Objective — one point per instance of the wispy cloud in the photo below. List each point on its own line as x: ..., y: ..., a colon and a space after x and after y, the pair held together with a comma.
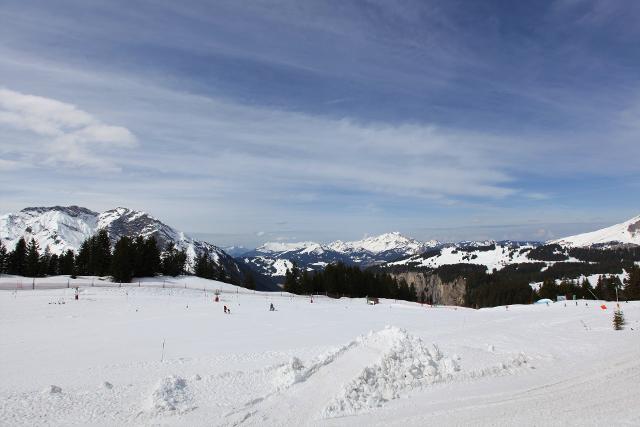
x: 67, y: 134
x: 334, y: 120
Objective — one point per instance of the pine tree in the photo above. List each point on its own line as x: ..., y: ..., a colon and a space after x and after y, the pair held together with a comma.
x: 83, y: 262
x: 248, y: 281
x: 53, y: 268
x: 32, y: 260
x: 17, y: 258
x: 618, y: 320
x: 67, y: 263
x: 548, y: 290
x: 137, y: 251
x: 173, y: 261
x: 632, y: 284
x: 205, y: 267
x: 122, y: 266
x: 292, y: 280
x: 150, y: 258
x: 4, y: 259
x: 45, y: 260
x: 101, y: 253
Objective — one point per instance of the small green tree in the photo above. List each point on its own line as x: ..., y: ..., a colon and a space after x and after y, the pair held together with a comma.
x: 618, y: 320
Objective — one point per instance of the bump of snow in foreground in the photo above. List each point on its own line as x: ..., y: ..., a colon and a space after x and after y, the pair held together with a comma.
x: 405, y: 364
x: 171, y: 394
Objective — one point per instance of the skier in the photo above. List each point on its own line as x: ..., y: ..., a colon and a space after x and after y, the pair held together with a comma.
x: 272, y: 308
x: 225, y: 309
x: 77, y: 296
x: 217, y: 299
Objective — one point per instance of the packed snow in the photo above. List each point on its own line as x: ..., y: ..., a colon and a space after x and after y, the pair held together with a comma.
x: 162, y: 352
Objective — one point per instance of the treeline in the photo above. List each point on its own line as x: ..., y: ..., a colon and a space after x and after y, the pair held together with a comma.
x: 339, y: 280
x: 511, y: 285
x: 130, y: 257
x: 608, y: 287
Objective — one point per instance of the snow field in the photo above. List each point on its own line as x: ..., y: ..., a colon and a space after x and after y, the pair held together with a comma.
x: 99, y: 360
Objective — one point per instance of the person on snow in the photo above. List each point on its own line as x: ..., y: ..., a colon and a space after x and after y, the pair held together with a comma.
x: 225, y: 309
x: 77, y: 296
x: 272, y: 308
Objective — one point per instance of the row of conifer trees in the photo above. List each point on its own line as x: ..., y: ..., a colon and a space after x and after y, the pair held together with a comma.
x: 130, y: 257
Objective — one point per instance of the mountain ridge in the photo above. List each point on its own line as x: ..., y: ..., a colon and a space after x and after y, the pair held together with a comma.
x: 62, y: 228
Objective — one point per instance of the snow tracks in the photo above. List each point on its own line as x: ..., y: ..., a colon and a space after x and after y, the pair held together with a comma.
x: 357, y: 377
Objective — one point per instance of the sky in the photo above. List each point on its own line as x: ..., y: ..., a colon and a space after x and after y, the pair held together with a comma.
x: 244, y: 122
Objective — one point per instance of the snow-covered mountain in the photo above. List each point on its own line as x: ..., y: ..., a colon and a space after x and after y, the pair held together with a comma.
x: 391, y: 244
x: 497, y: 255
x: 274, y: 258
x: 65, y: 227
x: 492, y: 254
x: 625, y: 233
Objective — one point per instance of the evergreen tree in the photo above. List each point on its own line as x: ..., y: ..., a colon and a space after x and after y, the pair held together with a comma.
x: 586, y: 290
x: 4, y: 259
x: 173, y: 261
x: 618, y: 319
x: 291, y: 280
x: 137, y: 256
x: 67, y: 263
x: 101, y: 253
x: 306, y: 283
x: 32, y: 260
x: 412, y: 293
x: 122, y: 266
x: 84, y: 262
x: 53, y: 267
x: 205, y: 267
x: 549, y: 290
x: 150, y: 258
x: 632, y: 284
x: 45, y: 260
x: 18, y: 257
x: 248, y: 281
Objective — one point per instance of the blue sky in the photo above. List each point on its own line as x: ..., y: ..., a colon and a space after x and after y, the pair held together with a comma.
x: 284, y: 120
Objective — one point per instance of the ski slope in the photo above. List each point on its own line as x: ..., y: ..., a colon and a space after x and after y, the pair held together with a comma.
x: 100, y: 360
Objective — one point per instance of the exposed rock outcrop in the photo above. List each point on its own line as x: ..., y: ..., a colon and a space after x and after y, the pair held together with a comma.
x: 436, y: 291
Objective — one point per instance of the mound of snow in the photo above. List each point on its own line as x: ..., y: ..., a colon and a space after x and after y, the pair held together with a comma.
x: 171, y: 394
x: 406, y: 363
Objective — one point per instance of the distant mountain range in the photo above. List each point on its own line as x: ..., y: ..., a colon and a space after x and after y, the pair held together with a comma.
x: 65, y: 227
x: 274, y: 258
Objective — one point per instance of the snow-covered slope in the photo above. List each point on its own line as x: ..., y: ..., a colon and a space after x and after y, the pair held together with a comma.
x: 493, y: 255
x: 627, y: 232
x: 154, y: 356
x: 61, y: 228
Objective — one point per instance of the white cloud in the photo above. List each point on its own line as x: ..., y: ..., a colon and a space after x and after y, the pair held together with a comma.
x: 69, y: 135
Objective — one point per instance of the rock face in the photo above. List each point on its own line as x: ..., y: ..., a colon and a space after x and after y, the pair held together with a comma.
x: 436, y: 291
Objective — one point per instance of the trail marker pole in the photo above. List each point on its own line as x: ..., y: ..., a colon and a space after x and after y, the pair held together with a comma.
x: 33, y: 284
x: 162, y: 357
